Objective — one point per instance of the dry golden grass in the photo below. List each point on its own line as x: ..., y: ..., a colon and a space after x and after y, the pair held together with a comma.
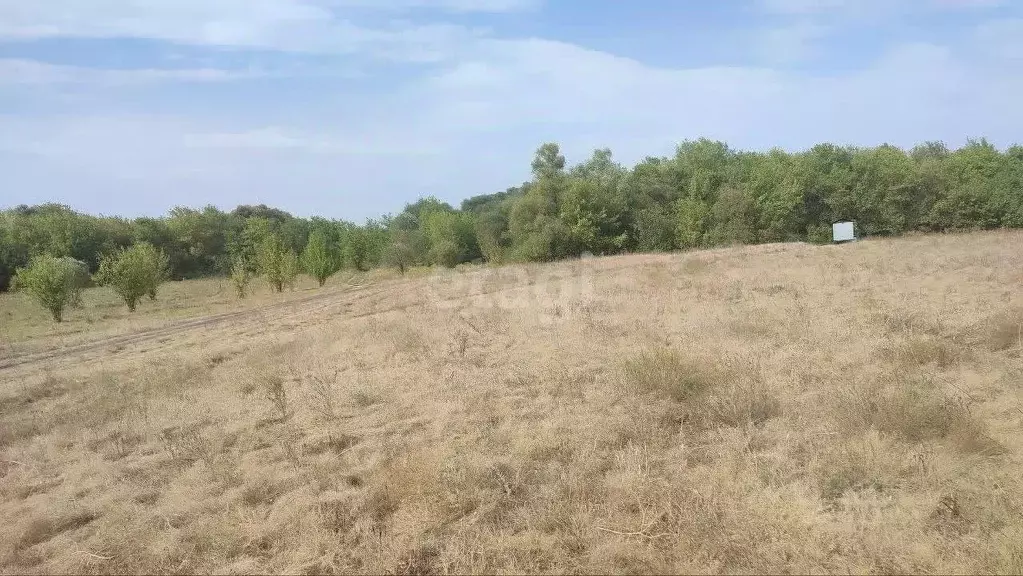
x: 778, y: 408
x: 25, y: 326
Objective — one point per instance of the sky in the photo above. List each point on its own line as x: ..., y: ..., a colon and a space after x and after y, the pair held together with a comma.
x: 352, y: 108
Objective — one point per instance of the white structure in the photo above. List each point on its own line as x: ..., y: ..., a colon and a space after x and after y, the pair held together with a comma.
x: 843, y: 232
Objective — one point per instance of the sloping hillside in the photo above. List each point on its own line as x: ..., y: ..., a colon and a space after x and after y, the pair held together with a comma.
x: 773, y: 408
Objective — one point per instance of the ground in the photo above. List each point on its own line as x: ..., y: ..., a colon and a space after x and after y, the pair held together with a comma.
x: 776, y: 408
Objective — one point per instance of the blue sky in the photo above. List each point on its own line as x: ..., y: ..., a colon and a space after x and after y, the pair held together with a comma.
x: 350, y: 108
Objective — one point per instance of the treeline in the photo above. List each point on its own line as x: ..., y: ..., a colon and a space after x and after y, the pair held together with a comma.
x: 707, y: 194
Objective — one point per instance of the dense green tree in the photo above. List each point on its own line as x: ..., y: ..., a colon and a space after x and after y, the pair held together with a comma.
x: 691, y: 222
x: 202, y: 235
x: 10, y: 258
x: 979, y: 194
x: 650, y: 191
x: 134, y: 272
x: 592, y: 214
x: 491, y: 202
x: 400, y: 252
x: 249, y: 239
x: 355, y: 248
x: 55, y: 283
x: 882, y: 189
x: 784, y: 199
x: 701, y: 167
x: 320, y: 258
x: 276, y: 215
x: 274, y: 262
x: 451, y: 237
x: 241, y: 275
x: 291, y: 267
x: 654, y: 229
x: 491, y: 214
x: 157, y: 232
x: 535, y: 226
x: 594, y: 208
x: 733, y: 217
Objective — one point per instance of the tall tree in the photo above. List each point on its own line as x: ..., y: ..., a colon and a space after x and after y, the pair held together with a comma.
x: 320, y: 258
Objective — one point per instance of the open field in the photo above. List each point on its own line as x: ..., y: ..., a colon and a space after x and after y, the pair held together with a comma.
x: 25, y: 326
x: 775, y: 408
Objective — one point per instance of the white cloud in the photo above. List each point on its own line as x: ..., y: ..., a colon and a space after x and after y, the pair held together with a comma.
x: 875, y: 7
x: 1001, y: 38
x: 791, y: 43
x: 970, y: 4
x: 801, y: 6
x: 910, y: 94
x: 444, y: 5
x: 796, y: 28
x: 291, y: 25
x: 269, y: 137
x: 31, y: 72
x: 279, y: 138
x: 473, y: 129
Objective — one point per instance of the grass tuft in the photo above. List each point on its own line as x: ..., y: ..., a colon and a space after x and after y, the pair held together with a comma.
x: 669, y: 373
x: 1006, y: 331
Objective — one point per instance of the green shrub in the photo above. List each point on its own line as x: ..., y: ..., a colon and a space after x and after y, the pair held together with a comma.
x: 400, y: 254
x: 240, y: 276
x: 445, y: 253
x: 691, y: 220
x: 274, y: 262
x: 320, y: 258
x: 55, y: 283
x: 158, y: 269
x: 290, y: 269
x: 819, y: 234
x: 134, y: 272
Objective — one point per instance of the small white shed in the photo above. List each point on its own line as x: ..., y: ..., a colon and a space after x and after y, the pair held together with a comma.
x: 843, y: 231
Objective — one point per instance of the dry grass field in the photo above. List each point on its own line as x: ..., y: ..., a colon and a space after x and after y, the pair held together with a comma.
x: 777, y: 408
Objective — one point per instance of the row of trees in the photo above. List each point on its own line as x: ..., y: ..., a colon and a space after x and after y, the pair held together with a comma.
x: 706, y: 194
x: 56, y: 283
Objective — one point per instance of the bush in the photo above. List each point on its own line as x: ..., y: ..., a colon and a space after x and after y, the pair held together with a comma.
x: 400, y: 254
x: 320, y: 258
x: 355, y: 248
x: 290, y: 269
x: 445, y: 253
x: 691, y: 220
x: 55, y: 283
x: 134, y: 272
x: 159, y: 270
x: 277, y: 263
x: 819, y: 234
x: 240, y: 276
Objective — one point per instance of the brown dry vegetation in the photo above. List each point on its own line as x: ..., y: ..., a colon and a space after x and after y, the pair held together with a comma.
x: 779, y: 408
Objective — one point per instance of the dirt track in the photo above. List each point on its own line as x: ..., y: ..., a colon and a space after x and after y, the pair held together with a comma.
x: 269, y: 316
x: 350, y: 302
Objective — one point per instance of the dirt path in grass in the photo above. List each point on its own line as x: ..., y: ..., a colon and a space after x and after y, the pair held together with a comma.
x: 349, y: 303
x: 272, y: 315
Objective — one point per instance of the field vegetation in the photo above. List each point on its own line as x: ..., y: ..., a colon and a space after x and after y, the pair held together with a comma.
x: 784, y: 407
